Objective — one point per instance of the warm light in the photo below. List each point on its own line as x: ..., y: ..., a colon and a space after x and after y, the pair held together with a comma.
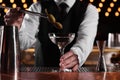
x: 114, y: 0
x: 117, y: 14
x: 112, y: 4
x: 14, y: 5
x: 0, y: 14
x: 23, y: 1
x: 109, y: 9
x: 25, y: 5
x: 99, y: 9
x: 119, y: 9
x: 1, y: 1
x: 106, y: 14
x: 3, y: 4
x: 102, y: 0
x: 91, y: 1
x: 34, y: 1
x: 11, y: 1
x: 5, y: 10
x: 100, y: 4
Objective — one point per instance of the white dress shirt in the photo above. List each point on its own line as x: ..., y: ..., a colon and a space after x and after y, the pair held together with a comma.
x: 86, y: 33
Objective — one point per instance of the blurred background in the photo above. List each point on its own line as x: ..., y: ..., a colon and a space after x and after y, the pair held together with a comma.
x: 109, y: 12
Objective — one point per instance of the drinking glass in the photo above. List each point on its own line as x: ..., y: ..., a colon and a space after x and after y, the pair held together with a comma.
x: 62, y: 40
x: 114, y: 40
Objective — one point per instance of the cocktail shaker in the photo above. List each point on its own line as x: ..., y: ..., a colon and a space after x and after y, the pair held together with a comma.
x: 10, y: 53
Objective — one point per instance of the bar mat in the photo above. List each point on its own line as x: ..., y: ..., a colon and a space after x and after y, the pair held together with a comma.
x: 50, y: 69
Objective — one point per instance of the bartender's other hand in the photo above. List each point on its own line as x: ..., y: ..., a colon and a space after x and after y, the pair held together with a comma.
x: 69, y: 61
x: 14, y: 17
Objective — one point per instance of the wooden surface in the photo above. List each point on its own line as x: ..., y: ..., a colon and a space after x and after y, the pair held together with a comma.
x: 62, y: 76
x: 50, y: 73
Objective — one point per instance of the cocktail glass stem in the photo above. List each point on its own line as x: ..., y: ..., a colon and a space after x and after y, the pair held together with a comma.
x: 62, y: 51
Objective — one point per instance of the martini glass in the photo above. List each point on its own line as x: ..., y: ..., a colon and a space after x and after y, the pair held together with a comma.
x: 62, y: 40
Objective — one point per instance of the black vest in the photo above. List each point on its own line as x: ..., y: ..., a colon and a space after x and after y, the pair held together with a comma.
x: 50, y: 52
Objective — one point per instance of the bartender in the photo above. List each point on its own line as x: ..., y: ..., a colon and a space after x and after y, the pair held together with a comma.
x: 81, y: 18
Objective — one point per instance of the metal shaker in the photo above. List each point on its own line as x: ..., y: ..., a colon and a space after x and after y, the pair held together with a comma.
x: 10, y: 53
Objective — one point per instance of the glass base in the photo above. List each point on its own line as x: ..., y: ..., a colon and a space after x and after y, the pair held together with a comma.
x: 65, y: 70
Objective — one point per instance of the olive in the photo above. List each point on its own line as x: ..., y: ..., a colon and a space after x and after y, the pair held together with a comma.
x: 58, y: 25
x: 51, y: 18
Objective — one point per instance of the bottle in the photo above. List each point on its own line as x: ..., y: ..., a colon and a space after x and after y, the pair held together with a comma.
x: 10, y: 54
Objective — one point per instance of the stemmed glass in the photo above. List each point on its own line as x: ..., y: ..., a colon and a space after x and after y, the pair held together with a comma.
x: 62, y: 40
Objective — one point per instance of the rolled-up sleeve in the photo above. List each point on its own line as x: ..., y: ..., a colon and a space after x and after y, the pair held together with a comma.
x: 29, y: 27
x: 86, y: 34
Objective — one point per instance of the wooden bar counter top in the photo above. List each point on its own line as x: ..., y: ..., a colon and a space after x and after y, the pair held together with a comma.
x: 62, y: 76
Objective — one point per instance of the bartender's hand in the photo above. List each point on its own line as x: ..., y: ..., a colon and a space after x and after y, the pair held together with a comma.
x: 69, y: 60
x: 14, y: 17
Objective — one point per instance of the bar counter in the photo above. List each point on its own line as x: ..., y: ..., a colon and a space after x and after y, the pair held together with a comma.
x: 37, y: 73
x: 62, y: 76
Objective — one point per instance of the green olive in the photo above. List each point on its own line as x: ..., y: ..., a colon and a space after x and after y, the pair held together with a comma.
x: 51, y: 18
x: 58, y: 25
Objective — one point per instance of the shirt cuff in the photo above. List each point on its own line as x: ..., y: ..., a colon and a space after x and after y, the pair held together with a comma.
x: 79, y: 54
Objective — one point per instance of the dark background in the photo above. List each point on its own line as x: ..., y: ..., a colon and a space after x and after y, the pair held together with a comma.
x: 106, y: 25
